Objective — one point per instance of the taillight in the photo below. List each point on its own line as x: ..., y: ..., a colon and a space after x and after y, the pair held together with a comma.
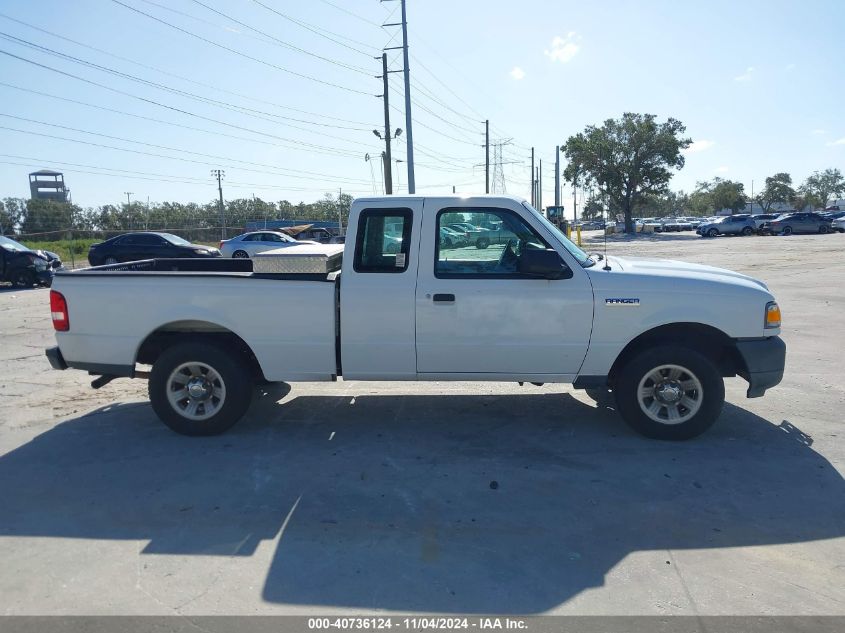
x: 221, y: 245
x: 58, y: 310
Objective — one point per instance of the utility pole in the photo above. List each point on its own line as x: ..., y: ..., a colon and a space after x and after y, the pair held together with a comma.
x: 486, y: 154
x: 219, y: 174
x: 540, y: 188
x: 574, y: 199
x: 386, y: 160
x: 557, y: 175
x: 129, y: 207
x: 533, y: 189
x: 339, y: 211
x: 407, y: 73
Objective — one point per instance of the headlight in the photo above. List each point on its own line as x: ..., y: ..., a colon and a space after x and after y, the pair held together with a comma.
x: 772, y: 315
x: 40, y: 264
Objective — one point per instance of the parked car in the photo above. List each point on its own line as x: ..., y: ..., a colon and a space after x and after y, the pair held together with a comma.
x: 662, y: 335
x: 24, y: 267
x: 761, y: 221
x: 838, y: 225
x: 802, y: 222
x: 249, y: 244
x: 728, y: 225
x: 450, y: 238
x: 131, y: 247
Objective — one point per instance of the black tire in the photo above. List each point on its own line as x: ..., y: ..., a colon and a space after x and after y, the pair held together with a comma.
x: 23, y: 279
x: 824, y: 228
x: 711, y: 396
x: 240, y: 255
x: 232, y: 372
x: 712, y: 232
x: 482, y: 242
x: 747, y: 231
x: 787, y: 230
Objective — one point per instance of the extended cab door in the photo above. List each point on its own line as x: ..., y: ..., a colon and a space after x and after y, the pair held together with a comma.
x: 377, y: 289
x: 480, y: 317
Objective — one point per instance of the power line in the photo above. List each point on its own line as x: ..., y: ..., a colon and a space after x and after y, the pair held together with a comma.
x: 354, y: 15
x: 320, y: 31
x: 242, y: 54
x: 169, y: 107
x: 180, y: 125
x: 283, y: 43
x: 188, y: 95
x: 135, y: 151
x: 188, y: 79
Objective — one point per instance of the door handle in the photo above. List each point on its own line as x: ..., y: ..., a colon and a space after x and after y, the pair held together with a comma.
x: 444, y: 298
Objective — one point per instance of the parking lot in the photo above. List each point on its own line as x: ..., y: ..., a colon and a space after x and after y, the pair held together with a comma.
x: 435, y: 497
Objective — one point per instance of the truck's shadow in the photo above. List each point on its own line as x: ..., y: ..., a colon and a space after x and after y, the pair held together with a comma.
x: 390, y: 501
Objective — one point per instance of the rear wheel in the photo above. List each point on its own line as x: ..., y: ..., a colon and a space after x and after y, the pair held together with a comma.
x: 712, y: 232
x: 747, y: 231
x: 482, y: 242
x: 824, y: 228
x: 240, y: 254
x: 23, y: 279
x: 110, y: 260
x: 199, y: 388
x: 787, y: 230
x: 669, y: 393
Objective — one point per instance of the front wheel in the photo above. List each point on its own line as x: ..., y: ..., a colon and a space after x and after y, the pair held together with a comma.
x: 712, y: 233
x: 199, y: 388
x: 747, y: 231
x: 23, y: 279
x: 787, y: 230
x: 824, y: 228
x: 240, y: 255
x: 669, y: 393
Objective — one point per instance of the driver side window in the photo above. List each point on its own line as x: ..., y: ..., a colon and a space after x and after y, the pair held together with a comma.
x: 483, y: 242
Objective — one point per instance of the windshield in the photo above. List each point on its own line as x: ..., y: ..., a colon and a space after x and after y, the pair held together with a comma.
x: 12, y: 245
x: 175, y: 239
x: 576, y: 252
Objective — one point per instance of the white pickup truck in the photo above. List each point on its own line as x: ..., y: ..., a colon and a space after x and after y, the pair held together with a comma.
x: 660, y: 335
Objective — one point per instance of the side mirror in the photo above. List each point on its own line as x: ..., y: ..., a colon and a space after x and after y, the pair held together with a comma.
x: 545, y: 264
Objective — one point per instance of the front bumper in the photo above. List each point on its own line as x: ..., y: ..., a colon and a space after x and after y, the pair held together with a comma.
x: 764, y: 361
x: 54, y: 355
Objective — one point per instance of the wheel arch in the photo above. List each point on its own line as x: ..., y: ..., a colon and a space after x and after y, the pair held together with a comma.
x: 183, y: 331
x: 705, y: 339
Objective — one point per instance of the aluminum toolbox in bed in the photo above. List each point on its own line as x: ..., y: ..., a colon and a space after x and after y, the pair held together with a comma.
x: 302, y: 259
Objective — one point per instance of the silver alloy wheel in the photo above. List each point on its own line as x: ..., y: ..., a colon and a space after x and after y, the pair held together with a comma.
x: 195, y: 390
x: 240, y: 254
x: 670, y: 394
x: 110, y: 260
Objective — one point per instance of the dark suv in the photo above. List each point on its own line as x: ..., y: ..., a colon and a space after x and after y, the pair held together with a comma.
x: 24, y: 267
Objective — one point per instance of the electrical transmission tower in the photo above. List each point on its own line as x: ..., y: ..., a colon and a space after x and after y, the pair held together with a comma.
x: 499, y: 185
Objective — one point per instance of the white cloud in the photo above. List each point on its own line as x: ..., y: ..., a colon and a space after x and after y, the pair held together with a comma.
x: 840, y: 141
x: 722, y: 170
x: 818, y: 132
x: 699, y: 146
x: 564, y: 48
x: 746, y: 76
x: 517, y: 73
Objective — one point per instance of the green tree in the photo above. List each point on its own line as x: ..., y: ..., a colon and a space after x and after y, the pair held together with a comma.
x: 12, y: 212
x: 592, y: 210
x: 778, y: 189
x: 822, y: 186
x: 627, y: 158
x: 49, y: 216
x: 721, y: 194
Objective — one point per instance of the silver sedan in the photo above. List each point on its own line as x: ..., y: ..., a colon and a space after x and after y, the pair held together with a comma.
x: 250, y: 244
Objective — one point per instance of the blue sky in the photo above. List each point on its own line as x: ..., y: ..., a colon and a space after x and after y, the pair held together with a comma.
x: 287, y: 107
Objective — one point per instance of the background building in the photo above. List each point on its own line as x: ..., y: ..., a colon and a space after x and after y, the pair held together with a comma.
x: 48, y: 185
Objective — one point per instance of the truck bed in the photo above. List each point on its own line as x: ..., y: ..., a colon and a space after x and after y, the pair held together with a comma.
x: 289, y: 320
